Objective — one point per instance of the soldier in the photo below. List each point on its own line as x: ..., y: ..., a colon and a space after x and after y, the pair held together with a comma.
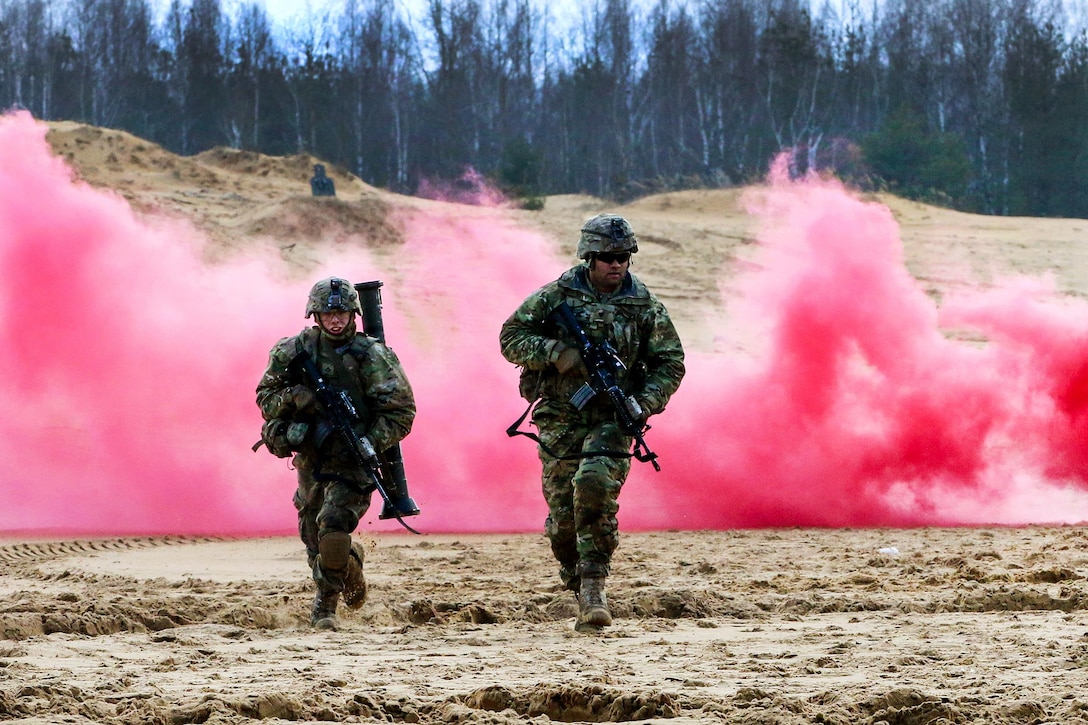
x: 329, y: 505
x: 582, y: 491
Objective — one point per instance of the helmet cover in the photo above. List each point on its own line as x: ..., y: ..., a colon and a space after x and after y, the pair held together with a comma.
x: 606, y: 233
x: 334, y: 293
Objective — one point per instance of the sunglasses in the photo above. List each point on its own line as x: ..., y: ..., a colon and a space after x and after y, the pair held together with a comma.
x: 611, y: 257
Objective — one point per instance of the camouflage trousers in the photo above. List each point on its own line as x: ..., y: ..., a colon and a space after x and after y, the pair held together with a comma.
x: 582, y: 494
x: 323, y: 507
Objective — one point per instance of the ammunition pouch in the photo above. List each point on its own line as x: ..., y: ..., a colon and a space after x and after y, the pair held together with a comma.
x: 274, y: 435
x: 529, y: 384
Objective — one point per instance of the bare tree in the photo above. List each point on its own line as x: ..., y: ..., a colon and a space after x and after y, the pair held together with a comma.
x: 311, y: 82
x: 26, y: 76
x: 727, y: 87
x: 254, y: 53
x: 672, y: 138
x: 1037, y: 145
x: 451, y: 131
x: 378, y: 60
x: 596, y: 101
x: 795, y: 77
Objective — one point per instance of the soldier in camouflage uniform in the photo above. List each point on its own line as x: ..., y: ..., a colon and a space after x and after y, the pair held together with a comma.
x: 329, y: 508
x: 582, y: 493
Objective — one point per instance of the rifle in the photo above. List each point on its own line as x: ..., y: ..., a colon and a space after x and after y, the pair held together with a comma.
x: 603, y: 364
x: 339, y: 415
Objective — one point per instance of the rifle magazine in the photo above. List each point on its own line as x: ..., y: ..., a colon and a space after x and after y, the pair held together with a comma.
x: 582, y: 396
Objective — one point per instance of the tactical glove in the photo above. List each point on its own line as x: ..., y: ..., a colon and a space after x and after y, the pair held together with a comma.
x: 567, y: 361
x: 634, y: 410
x: 302, y: 397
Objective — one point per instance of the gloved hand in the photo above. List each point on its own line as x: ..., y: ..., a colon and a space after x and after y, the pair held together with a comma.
x: 638, y: 415
x: 365, y: 444
x: 567, y: 360
x: 302, y: 397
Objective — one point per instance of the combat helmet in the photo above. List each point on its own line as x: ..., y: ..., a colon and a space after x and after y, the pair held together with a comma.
x: 606, y: 233
x: 334, y: 293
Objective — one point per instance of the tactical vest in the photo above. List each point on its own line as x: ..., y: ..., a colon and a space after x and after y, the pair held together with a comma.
x: 340, y: 366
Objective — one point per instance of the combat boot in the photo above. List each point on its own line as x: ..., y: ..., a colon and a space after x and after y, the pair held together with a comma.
x: 323, y: 614
x: 354, y: 581
x: 592, y: 605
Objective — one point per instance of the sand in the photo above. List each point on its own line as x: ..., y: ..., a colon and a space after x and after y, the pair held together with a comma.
x: 904, y: 627
x: 770, y: 626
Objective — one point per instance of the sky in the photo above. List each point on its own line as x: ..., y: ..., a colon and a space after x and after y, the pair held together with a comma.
x: 286, y: 11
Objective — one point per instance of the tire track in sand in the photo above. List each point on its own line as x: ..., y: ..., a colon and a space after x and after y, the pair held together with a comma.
x: 26, y: 551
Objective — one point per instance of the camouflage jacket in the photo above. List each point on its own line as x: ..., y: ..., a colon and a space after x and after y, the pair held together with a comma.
x: 368, y: 371
x: 631, y: 318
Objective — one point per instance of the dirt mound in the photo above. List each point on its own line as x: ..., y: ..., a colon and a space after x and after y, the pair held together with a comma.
x: 691, y: 242
x: 298, y: 166
x: 95, y: 152
x: 302, y: 219
x: 235, y: 197
x: 575, y: 704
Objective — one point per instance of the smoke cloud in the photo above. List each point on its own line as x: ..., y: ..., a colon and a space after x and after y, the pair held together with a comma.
x: 857, y: 409
x: 131, y: 367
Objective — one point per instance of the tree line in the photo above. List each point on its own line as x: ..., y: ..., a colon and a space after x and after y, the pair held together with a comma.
x: 977, y: 104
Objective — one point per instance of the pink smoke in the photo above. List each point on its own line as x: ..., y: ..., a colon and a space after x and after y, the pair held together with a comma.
x: 131, y: 369
x: 132, y: 365
x: 856, y: 410
x: 471, y: 187
x: 127, y: 363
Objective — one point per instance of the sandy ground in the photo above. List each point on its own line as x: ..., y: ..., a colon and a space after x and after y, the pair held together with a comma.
x: 902, y: 627
x: 772, y: 626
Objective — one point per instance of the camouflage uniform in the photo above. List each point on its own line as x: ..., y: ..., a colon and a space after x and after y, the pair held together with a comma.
x: 372, y: 376
x: 582, y: 495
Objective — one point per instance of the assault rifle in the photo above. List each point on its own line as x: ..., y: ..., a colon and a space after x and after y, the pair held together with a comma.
x: 603, y: 364
x: 339, y: 414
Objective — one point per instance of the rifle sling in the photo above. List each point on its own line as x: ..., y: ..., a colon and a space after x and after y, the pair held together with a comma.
x: 513, y: 431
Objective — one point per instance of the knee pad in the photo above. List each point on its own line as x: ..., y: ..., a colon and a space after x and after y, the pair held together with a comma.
x: 335, y: 548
